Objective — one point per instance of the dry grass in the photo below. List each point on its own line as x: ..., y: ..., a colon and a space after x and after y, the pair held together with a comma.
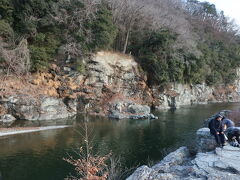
x: 13, y: 85
x: 36, y: 85
x: 114, y: 53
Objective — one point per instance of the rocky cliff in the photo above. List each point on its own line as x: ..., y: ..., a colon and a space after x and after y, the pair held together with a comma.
x: 112, y: 85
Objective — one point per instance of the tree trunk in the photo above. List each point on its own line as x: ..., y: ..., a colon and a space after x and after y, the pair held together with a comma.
x: 126, y: 41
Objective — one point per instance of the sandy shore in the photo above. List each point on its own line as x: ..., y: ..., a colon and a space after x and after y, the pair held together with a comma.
x: 20, y: 130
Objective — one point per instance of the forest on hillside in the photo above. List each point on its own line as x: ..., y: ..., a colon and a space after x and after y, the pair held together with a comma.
x: 173, y: 40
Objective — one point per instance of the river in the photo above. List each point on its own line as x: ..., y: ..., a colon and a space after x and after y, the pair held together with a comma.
x: 39, y: 155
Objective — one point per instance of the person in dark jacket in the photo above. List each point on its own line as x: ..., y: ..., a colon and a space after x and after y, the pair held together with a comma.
x: 216, y: 129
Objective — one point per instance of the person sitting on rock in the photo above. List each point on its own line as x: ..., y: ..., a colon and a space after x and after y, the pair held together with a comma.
x: 233, y: 134
x: 216, y: 128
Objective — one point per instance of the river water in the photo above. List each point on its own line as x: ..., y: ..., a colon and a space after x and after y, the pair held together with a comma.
x: 39, y: 155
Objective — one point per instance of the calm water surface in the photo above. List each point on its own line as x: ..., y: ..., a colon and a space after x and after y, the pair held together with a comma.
x: 38, y: 156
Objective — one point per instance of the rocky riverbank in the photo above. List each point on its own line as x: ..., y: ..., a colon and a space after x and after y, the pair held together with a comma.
x: 208, y: 163
x: 113, y: 85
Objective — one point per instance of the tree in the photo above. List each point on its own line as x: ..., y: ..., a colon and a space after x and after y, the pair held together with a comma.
x: 104, y: 31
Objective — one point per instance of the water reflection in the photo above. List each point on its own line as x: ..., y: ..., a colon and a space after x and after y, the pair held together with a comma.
x: 39, y: 155
x: 39, y: 123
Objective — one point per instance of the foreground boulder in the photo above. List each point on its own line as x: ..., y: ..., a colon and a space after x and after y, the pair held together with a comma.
x: 218, y: 164
x: 221, y: 164
x: 205, y: 141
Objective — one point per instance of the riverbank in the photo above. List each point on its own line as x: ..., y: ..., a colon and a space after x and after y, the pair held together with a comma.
x: 208, y: 162
x: 220, y: 164
x: 136, y: 141
x: 21, y: 130
x: 112, y: 86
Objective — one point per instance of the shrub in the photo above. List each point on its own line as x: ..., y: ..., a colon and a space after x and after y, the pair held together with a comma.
x: 6, y: 30
x: 39, y: 58
x: 80, y: 67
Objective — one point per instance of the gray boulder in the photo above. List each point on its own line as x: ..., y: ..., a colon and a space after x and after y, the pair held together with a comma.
x: 117, y: 115
x: 205, y: 141
x: 219, y: 164
x: 173, y: 159
x: 44, y: 108
x: 138, y: 109
x: 23, y: 107
x: 168, y: 169
x: 141, y: 173
x: 129, y: 110
x: 53, y: 108
x: 7, y: 120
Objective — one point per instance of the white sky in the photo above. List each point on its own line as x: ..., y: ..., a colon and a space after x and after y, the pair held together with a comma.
x: 231, y: 8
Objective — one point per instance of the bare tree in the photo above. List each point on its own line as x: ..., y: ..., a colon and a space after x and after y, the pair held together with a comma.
x: 88, y: 165
x: 126, y: 14
x: 16, y: 61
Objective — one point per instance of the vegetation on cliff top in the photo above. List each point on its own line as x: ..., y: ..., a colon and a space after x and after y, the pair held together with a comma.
x: 173, y: 40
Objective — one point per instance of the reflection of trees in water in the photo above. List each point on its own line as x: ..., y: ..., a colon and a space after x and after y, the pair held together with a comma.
x: 137, y: 141
x: 40, y: 123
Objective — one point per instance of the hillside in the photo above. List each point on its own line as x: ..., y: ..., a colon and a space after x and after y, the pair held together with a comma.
x: 99, y: 55
x: 173, y: 41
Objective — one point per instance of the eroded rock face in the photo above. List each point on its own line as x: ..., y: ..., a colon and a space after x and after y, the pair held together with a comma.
x: 176, y: 95
x: 30, y: 108
x: 112, y: 75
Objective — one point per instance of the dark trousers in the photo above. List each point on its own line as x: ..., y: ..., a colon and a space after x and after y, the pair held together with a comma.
x: 220, y: 139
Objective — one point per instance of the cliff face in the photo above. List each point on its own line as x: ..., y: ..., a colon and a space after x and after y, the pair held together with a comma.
x: 112, y: 85
x: 115, y: 76
x: 176, y: 95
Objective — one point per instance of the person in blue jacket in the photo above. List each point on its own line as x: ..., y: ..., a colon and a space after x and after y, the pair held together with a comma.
x: 227, y: 123
x: 216, y: 129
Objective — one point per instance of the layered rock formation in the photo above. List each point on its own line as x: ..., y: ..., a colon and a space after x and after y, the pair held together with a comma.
x: 30, y: 108
x: 176, y: 95
x: 113, y: 77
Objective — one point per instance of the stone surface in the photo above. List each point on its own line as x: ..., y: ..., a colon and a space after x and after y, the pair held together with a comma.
x: 129, y: 110
x: 139, y: 109
x: 175, y: 158
x: 142, y: 173
x: 205, y: 141
x: 30, y: 108
x: 176, y: 95
x: 7, y: 120
x: 219, y: 164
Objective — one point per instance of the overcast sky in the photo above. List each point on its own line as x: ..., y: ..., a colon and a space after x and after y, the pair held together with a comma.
x: 231, y: 8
